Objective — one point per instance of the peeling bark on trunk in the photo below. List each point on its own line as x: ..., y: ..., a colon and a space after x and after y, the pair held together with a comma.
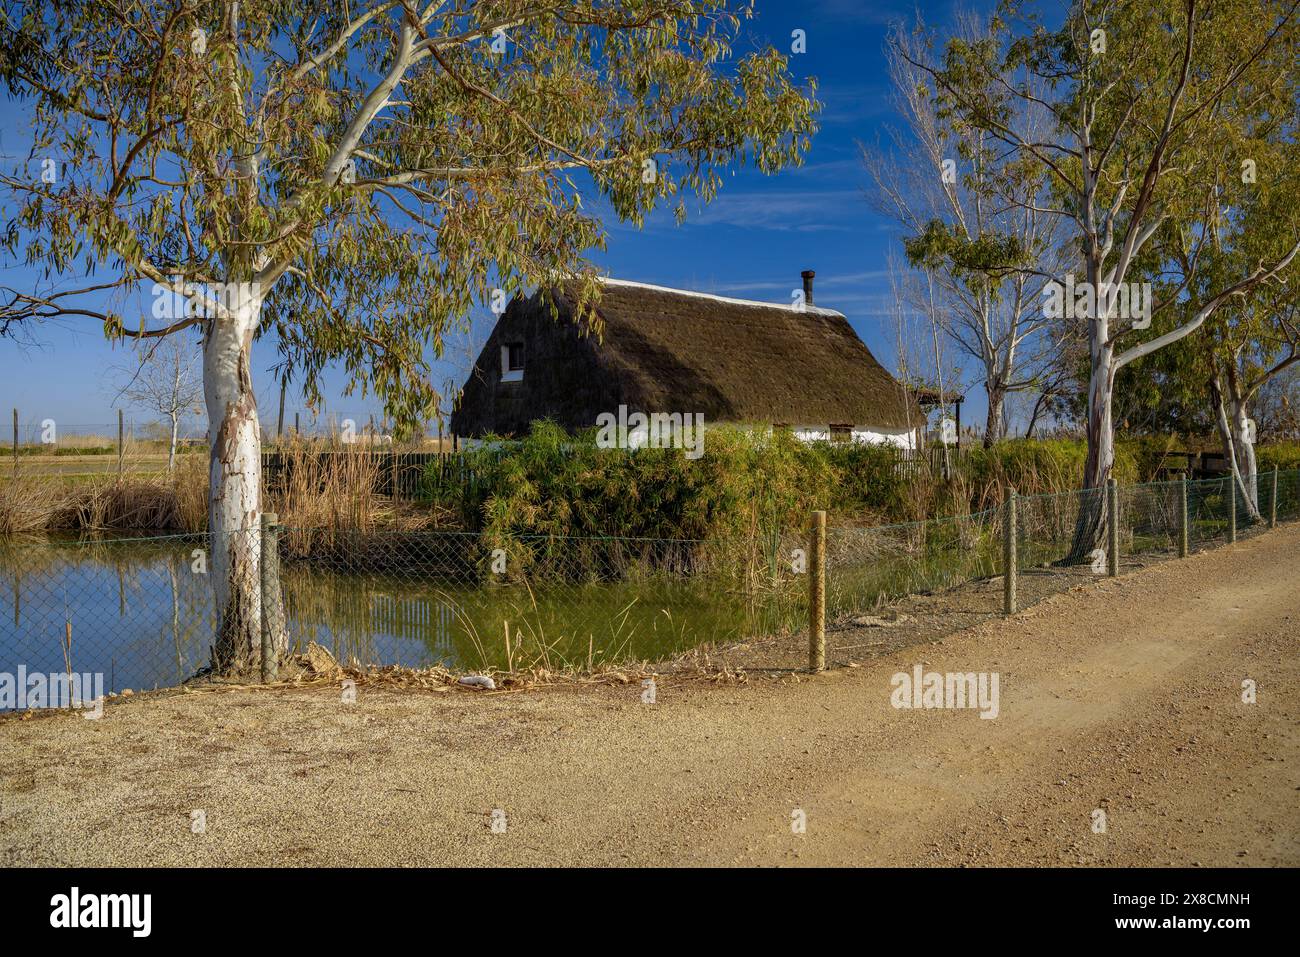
x: 1246, y: 466
x: 1090, y: 526
x: 235, y: 502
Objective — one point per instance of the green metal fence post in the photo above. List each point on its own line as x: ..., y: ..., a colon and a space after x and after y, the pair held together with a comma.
x: 1009, y: 554
x: 1112, y: 516
x: 1272, y: 501
x: 1232, y: 507
x: 1183, y: 535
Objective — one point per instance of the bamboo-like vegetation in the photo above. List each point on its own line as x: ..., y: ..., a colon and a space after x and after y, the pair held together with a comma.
x: 749, y: 486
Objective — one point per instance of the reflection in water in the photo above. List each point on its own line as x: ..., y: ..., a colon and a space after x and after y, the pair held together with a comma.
x: 133, y: 612
x: 141, y: 612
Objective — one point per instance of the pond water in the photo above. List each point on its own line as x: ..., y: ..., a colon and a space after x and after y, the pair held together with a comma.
x: 138, y: 612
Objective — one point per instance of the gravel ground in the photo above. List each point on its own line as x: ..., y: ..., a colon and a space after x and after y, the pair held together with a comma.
x: 1122, y: 696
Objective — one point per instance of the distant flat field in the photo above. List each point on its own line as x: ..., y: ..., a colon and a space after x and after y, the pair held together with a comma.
x: 141, y: 463
x: 84, y: 466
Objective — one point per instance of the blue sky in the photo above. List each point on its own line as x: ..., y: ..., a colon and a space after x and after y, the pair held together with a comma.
x: 751, y: 242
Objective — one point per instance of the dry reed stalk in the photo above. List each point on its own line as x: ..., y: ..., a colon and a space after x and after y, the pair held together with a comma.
x: 327, y: 487
x: 38, y: 502
x: 27, y: 503
x: 66, y: 644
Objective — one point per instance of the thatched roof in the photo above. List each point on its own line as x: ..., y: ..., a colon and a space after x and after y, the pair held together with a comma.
x: 928, y: 398
x: 669, y: 350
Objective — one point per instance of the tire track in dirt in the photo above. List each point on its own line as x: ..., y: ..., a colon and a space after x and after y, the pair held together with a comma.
x: 1149, y: 729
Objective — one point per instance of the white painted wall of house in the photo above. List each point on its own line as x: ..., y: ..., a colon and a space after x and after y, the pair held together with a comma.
x: 903, y: 438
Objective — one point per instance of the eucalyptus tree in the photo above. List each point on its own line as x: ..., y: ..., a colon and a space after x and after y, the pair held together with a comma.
x: 351, y: 177
x: 985, y: 259
x: 1256, y: 336
x: 1158, y: 114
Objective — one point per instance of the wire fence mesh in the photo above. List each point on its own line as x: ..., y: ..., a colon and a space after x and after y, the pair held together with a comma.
x: 144, y: 612
x: 866, y: 566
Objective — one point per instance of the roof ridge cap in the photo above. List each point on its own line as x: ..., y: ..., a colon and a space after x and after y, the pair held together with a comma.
x: 631, y: 284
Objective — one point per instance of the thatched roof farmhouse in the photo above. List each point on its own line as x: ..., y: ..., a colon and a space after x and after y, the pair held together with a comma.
x: 674, y: 351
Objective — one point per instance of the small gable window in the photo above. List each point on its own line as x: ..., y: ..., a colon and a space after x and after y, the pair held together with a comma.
x: 512, y: 362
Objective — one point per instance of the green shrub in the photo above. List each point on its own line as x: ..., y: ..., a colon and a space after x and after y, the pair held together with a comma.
x: 528, y: 495
x: 867, y: 480
x: 1149, y: 453
x: 747, y: 487
x: 1038, y: 467
x: 1284, y: 455
x: 553, y: 484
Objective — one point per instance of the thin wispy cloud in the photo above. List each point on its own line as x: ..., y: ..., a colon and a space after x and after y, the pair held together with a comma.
x: 785, y: 209
x: 823, y: 282
x: 853, y: 105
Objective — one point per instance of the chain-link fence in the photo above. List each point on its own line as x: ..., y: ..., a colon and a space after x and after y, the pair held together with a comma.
x: 555, y: 603
x: 866, y: 566
x: 1059, y: 540
x: 143, y: 612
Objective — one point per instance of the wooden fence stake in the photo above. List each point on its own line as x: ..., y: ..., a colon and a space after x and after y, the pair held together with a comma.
x: 1232, y: 508
x: 121, y: 442
x: 1112, y: 514
x: 1272, y: 502
x: 1183, y: 534
x: 817, y: 593
x: 15, y: 440
x: 279, y: 423
x: 1009, y: 531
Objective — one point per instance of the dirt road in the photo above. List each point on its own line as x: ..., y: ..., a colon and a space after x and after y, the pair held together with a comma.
x: 1122, y: 696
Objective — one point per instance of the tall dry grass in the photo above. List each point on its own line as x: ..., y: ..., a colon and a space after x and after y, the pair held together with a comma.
x: 322, y: 490
x: 32, y: 502
x: 326, y: 491
x: 327, y: 486
x: 26, y: 505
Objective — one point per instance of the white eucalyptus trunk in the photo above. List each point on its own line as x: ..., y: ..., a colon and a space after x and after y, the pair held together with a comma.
x: 1101, y: 427
x: 1239, y: 449
x: 235, y: 476
x: 1232, y: 415
x: 1243, y: 439
x: 171, y: 449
